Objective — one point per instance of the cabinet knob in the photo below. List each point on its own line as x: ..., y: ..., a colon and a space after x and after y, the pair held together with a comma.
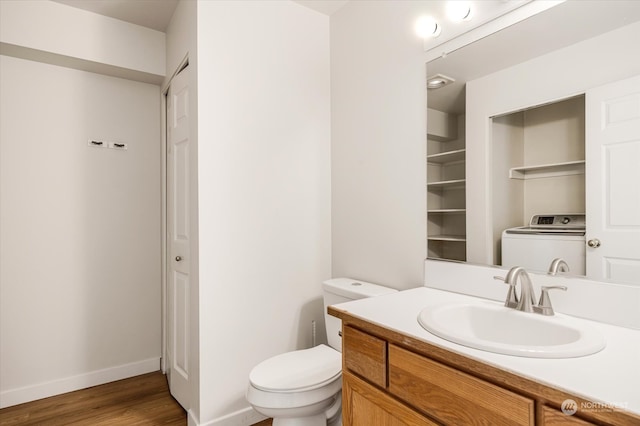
x: 594, y: 243
x: 178, y: 258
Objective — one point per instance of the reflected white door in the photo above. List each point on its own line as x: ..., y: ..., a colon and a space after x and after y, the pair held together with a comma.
x: 178, y: 238
x: 612, y: 149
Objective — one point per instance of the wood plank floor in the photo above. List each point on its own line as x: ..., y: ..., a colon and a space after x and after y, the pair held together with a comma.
x: 141, y: 400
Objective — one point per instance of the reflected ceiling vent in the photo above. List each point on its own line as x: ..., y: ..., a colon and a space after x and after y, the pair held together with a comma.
x: 437, y: 81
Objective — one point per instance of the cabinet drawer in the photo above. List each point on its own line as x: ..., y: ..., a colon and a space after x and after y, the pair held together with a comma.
x: 365, y: 355
x: 453, y: 397
x: 553, y: 417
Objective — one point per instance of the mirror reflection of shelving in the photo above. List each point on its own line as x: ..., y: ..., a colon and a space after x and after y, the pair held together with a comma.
x: 446, y: 212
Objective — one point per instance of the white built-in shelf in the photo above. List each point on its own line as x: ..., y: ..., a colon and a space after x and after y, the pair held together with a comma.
x: 447, y: 157
x: 457, y: 183
x: 445, y: 258
x: 547, y: 170
x: 436, y: 211
x: 459, y: 238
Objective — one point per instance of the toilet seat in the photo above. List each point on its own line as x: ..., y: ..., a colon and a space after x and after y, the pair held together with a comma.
x: 298, y: 371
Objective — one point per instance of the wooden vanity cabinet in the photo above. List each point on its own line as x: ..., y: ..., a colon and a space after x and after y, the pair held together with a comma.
x: 393, y: 379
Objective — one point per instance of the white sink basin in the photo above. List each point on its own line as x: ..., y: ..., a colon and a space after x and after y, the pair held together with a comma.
x: 491, y: 327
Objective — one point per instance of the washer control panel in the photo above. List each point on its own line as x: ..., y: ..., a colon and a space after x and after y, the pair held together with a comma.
x: 567, y: 221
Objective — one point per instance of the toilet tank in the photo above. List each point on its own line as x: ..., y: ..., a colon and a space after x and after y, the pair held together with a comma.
x: 339, y: 290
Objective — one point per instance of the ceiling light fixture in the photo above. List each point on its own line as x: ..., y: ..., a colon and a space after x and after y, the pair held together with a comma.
x: 438, y: 81
x: 426, y: 26
x: 458, y: 10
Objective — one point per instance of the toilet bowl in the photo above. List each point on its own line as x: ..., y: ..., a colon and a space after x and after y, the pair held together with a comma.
x: 297, y: 388
x: 304, y: 387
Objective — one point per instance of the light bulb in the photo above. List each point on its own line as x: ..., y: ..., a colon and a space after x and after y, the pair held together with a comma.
x: 426, y: 26
x: 458, y: 10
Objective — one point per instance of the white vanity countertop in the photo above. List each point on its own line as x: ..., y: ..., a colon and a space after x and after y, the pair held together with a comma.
x: 611, y: 376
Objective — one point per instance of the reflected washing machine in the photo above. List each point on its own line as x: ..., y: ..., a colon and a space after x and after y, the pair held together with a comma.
x: 547, y: 237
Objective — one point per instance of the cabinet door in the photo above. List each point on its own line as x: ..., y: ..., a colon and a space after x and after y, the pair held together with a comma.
x: 366, y: 405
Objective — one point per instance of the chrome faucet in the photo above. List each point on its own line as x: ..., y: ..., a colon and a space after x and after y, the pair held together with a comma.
x: 527, y: 302
x: 558, y: 265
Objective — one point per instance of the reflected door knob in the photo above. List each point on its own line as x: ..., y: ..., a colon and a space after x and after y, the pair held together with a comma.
x: 594, y: 243
x: 178, y: 258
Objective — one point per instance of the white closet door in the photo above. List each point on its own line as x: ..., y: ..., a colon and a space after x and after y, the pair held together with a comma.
x: 613, y: 181
x: 178, y: 239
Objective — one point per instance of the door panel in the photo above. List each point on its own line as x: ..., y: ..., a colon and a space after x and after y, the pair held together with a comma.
x: 180, y: 323
x: 180, y: 191
x: 612, y: 177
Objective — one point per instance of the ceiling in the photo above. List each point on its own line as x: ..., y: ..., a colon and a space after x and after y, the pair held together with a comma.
x: 326, y: 7
x: 156, y: 14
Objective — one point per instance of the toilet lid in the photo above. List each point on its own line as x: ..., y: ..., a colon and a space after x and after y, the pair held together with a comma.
x: 297, y: 370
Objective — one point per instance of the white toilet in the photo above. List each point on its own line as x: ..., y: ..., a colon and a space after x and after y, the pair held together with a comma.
x: 303, y: 388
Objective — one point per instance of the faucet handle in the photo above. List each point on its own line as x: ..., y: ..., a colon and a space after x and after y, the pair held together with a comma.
x: 544, y: 305
x: 512, y: 299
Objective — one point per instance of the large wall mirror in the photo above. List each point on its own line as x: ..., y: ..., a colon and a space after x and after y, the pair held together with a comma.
x: 542, y: 122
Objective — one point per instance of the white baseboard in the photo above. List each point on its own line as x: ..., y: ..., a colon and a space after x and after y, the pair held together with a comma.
x: 245, y: 417
x: 68, y: 384
x: 191, y: 420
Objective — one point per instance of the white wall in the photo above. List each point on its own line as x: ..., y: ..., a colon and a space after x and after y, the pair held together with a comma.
x: 378, y: 143
x: 263, y: 190
x: 79, y: 240
x: 181, y: 37
x: 52, y: 32
x: 507, y: 150
x: 561, y: 74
